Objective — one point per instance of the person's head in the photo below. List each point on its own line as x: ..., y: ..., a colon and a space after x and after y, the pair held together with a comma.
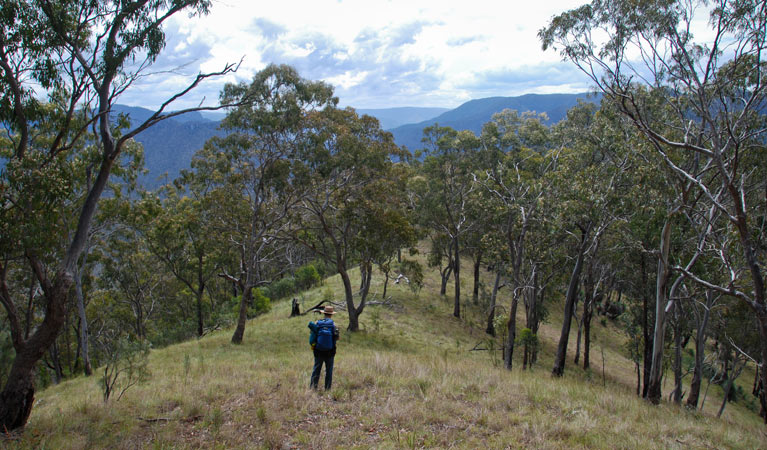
x: 328, y: 311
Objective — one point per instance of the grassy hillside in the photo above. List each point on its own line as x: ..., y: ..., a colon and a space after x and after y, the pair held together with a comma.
x: 409, y: 380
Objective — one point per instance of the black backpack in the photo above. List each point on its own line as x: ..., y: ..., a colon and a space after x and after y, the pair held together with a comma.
x: 325, y: 331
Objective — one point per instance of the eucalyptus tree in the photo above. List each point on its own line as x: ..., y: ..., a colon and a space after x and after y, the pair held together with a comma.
x: 713, y: 92
x: 702, y: 312
x: 589, y: 178
x: 178, y: 231
x: 445, y: 195
x: 346, y: 166
x: 253, y: 171
x: 81, y: 56
x: 132, y: 278
x: 384, y: 228
x: 635, y: 259
x: 516, y: 149
x: 440, y: 255
x: 125, y: 172
x: 401, y: 232
x: 544, y: 275
x: 498, y: 261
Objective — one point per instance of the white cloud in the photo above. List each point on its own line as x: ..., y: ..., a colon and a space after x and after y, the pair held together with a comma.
x: 376, y: 53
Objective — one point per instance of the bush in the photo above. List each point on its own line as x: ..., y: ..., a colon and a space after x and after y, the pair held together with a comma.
x: 414, y: 271
x: 323, y: 269
x: 307, y: 276
x: 527, y: 337
x: 261, y: 304
x: 126, y: 366
x: 281, y: 288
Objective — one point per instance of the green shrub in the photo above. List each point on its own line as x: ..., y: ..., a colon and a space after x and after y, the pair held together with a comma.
x: 324, y: 270
x: 126, y: 366
x: 261, y: 304
x: 414, y: 271
x: 306, y: 277
x: 527, y: 337
x: 281, y: 288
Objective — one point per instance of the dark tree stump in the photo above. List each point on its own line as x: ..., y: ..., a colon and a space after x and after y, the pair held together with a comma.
x: 295, y: 310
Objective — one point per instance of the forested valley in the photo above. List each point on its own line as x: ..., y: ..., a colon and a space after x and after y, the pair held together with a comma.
x: 645, y: 212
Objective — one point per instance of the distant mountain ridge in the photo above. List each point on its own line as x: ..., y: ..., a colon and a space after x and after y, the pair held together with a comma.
x: 395, y: 117
x: 170, y: 145
x: 473, y: 114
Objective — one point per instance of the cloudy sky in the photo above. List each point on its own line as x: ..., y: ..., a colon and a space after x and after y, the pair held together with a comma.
x: 377, y: 53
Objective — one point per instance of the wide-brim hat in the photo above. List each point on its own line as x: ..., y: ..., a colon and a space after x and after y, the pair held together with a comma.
x: 328, y: 310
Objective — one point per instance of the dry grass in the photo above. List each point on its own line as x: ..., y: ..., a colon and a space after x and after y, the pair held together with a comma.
x: 408, y: 380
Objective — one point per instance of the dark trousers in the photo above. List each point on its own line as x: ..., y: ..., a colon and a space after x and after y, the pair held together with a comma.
x: 319, y: 359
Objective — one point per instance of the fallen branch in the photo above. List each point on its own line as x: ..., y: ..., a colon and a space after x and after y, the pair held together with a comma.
x: 318, y: 308
x: 155, y: 419
x: 477, y: 349
x: 401, y: 277
x: 211, y: 329
x: 387, y: 303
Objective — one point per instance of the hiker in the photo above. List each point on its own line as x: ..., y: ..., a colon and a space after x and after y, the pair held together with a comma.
x: 323, y: 337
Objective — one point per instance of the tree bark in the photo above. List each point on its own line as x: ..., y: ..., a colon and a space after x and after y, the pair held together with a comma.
x: 516, y: 252
x: 647, y: 337
x: 477, y: 264
x: 83, y: 335
x: 536, y: 320
x: 677, y: 394
x: 661, y: 292
x: 700, y: 348
x: 386, y: 284
x: 53, y: 352
x: 579, y: 334
x: 737, y: 367
x: 18, y: 394
x: 508, y: 352
x: 294, y: 308
x: 590, y: 293
x: 200, y: 292
x: 759, y: 303
x: 445, y: 277
x: 242, y: 318
x: 762, y: 317
x: 349, y: 294
x: 491, y: 314
x: 457, y: 279
x: 572, y: 291
x: 587, y: 315
x: 366, y: 277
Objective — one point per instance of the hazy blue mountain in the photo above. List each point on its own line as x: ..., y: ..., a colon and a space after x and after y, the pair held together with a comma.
x: 170, y: 145
x: 139, y: 115
x: 214, y: 115
x: 473, y: 114
x: 395, y: 117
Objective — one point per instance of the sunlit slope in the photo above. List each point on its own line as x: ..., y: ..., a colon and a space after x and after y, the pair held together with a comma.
x: 409, y: 380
